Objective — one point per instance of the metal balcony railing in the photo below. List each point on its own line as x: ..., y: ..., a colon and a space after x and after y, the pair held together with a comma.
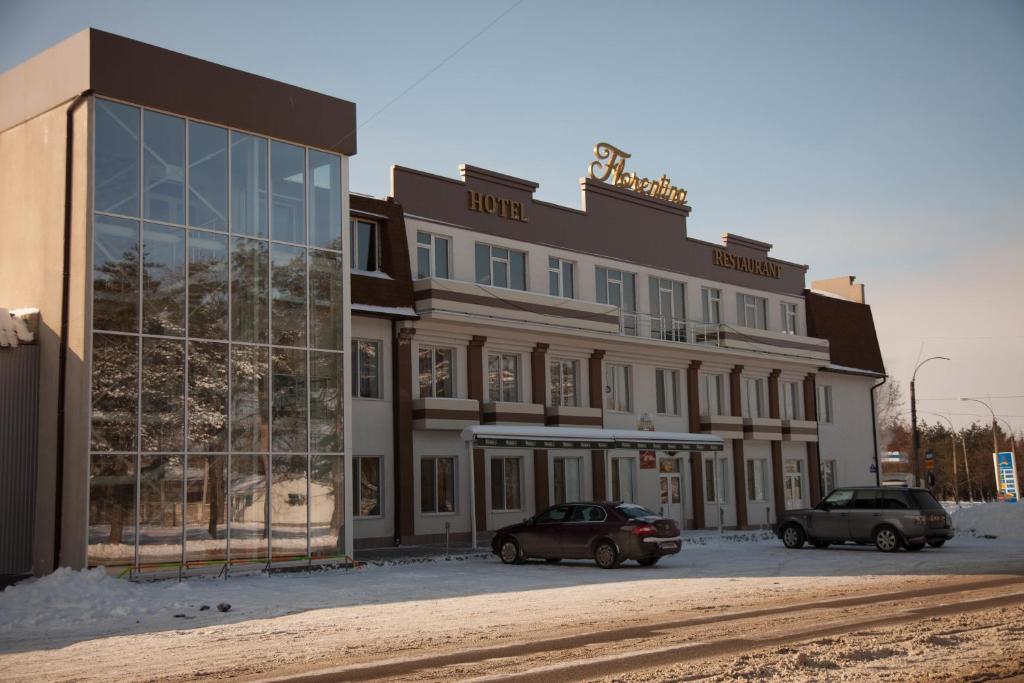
x: 667, y: 328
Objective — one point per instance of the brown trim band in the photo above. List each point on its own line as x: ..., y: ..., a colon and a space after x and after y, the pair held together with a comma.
x: 575, y: 421
x: 727, y: 335
x: 519, y: 418
x: 721, y: 427
x: 772, y: 429
x: 800, y: 431
x: 441, y: 414
x: 541, y: 309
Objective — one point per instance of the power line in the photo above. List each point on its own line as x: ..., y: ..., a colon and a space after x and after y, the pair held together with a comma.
x: 1000, y: 336
x: 957, y: 398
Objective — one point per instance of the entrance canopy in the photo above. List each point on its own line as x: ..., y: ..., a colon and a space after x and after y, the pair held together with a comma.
x: 585, y: 438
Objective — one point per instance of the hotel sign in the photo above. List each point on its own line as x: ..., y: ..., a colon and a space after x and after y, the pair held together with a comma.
x: 481, y: 202
x: 745, y: 264
x: 610, y: 167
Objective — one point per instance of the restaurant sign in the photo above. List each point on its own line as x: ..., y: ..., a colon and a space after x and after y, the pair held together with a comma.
x: 610, y: 167
x: 746, y: 264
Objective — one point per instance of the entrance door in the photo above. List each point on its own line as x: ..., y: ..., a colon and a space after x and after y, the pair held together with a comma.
x: 670, y: 485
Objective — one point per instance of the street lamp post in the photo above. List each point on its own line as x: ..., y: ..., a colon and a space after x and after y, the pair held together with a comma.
x: 995, y: 444
x: 952, y: 440
x: 913, y: 419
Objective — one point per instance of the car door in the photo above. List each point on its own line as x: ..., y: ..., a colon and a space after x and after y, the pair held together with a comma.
x: 543, y: 538
x: 586, y: 522
x: 865, y: 514
x: 831, y: 519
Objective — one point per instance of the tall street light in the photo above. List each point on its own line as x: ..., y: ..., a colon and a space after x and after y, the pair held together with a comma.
x: 913, y: 419
x: 995, y: 444
x: 952, y: 441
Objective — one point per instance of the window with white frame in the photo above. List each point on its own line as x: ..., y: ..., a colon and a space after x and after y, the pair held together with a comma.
x: 825, y: 404
x: 789, y: 394
x: 437, y: 485
x: 618, y: 390
x: 503, y: 377
x: 432, y: 256
x: 752, y: 311
x: 506, y: 483
x: 365, y: 369
x: 564, y: 382
x: 561, y: 277
x: 712, y: 394
x: 623, y: 479
x: 668, y: 309
x: 666, y: 384
x: 437, y: 372
x: 618, y: 288
x: 711, y: 305
x: 500, y: 267
x: 753, y: 397
x: 828, y: 477
x: 789, y: 318
x: 716, y: 477
x: 757, y: 480
x: 365, y: 246
x: 366, y: 491
x: 568, y: 479
x: 793, y: 483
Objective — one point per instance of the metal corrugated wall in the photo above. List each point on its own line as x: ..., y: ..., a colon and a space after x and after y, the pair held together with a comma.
x: 19, y: 403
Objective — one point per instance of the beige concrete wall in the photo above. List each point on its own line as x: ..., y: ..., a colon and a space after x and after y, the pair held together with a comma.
x: 32, y: 163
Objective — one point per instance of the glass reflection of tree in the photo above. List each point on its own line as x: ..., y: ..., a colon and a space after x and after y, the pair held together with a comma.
x: 288, y: 283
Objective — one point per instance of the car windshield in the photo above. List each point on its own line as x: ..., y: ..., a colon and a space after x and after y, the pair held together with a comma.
x: 635, y: 511
x: 837, y: 500
x: 925, y: 500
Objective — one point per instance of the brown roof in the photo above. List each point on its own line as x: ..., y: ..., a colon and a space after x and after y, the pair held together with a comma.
x: 849, y: 328
x: 395, y: 292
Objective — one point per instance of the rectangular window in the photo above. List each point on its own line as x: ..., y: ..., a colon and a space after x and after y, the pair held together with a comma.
x: 568, y: 479
x: 753, y: 397
x: 500, y: 267
x: 668, y: 309
x: 503, y: 377
x: 437, y: 485
x: 366, y: 369
x: 789, y: 319
x: 289, y: 406
x: 208, y: 176
x: 249, y: 210
x: 437, y: 370
x: 432, y: 256
x: 366, y: 493
x: 324, y: 200
x: 828, y: 476
x: 618, y: 380
x: 793, y: 483
x: 564, y: 382
x: 287, y: 192
x: 790, y: 401
x: 561, y: 277
x: 506, y: 493
x: 711, y: 305
x: 115, y: 274
x: 825, y: 403
x: 712, y: 394
x: 623, y: 481
x: 716, y: 477
x: 365, y: 246
x: 667, y: 389
x: 287, y: 295
x: 618, y: 288
x: 757, y: 480
x: 116, y: 158
x: 163, y: 167
x: 752, y: 311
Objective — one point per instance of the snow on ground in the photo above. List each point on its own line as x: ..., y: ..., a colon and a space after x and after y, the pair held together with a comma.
x: 1002, y: 520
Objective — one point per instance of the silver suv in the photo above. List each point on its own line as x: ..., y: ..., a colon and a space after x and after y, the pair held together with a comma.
x: 887, y: 517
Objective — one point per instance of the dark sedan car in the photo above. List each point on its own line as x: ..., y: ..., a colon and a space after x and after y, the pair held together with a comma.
x: 610, y: 533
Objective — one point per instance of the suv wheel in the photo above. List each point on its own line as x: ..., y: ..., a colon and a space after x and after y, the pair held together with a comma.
x: 793, y: 537
x: 886, y: 539
x: 509, y: 551
x: 606, y: 555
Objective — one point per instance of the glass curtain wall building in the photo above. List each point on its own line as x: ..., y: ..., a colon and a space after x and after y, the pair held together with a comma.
x: 216, y: 347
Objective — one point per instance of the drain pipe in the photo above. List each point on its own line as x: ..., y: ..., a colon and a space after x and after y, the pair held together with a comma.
x: 874, y: 432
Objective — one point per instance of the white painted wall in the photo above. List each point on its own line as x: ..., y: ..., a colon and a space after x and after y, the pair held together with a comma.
x: 848, y: 439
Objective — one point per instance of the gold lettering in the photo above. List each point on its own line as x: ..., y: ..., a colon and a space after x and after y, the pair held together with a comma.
x: 503, y: 203
x: 745, y: 264
x: 610, y: 167
x: 614, y: 160
x: 474, y: 201
x: 516, y: 211
x: 490, y: 203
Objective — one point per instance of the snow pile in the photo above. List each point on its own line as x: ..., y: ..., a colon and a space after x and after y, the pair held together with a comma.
x: 1002, y: 520
x: 13, y: 329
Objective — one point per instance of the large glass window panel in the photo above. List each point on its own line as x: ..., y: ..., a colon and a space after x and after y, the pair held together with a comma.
x: 428, y: 485
x: 568, y: 479
x: 163, y: 280
x: 324, y: 200
x: 163, y: 395
x: 288, y: 192
x: 112, y: 511
x: 326, y: 288
x: 483, y: 264
x: 207, y: 396
x: 518, y: 270
x: 327, y: 506
x: 289, y: 499
x: 248, y: 185
x: 366, y: 370
x: 163, y: 167
x: 288, y: 295
x: 116, y: 153
x: 248, y: 507
x: 115, y: 392
x: 207, y: 285
x: 206, y: 508
x: 505, y: 484
x: 289, y: 406
x: 249, y: 291
x: 437, y: 485
x: 207, y: 176
x: 441, y: 257
x: 161, y: 511
x: 365, y: 246
x: 366, y: 494
x: 326, y: 401
x: 250, y: 399
x: 115, y: 274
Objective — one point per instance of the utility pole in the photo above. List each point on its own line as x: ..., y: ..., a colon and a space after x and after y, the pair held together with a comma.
x: 952, y: 443
x: 967, y: 466
x: 913, y: 419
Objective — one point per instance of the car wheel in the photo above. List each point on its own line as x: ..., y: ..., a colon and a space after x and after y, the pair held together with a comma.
x: 820, y: 544
x: 552, y: 560
x: 937, y: 542
x: 793, y: 537
x: 886, y: 539
x: 915, y: 546
x: 509, y: 551
x: 648, y: 561
x: 606, y: 555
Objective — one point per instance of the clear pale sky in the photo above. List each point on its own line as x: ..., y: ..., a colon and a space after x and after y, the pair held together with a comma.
x: 873, y: 138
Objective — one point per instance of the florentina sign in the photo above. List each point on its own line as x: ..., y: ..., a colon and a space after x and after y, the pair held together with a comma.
x: 610, y: 167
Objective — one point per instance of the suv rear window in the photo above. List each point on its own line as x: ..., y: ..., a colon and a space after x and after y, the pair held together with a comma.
x: 925, y: 500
